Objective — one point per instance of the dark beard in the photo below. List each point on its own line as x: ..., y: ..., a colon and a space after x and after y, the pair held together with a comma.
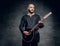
x: 30, y: 11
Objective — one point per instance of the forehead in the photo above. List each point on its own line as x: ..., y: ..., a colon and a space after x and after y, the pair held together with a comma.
x: 31, y: 5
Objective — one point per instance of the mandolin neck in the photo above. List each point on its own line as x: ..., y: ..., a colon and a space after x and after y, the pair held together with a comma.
x: 43, y: 19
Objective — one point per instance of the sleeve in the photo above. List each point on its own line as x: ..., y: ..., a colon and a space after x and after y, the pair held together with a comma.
x: 41, y: 25
x: 22, y: 24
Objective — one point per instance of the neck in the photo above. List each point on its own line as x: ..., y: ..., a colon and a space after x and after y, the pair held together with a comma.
x: 30, y: 14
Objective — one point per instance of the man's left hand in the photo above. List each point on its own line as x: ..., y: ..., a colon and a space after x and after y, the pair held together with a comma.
x: 41, y: 21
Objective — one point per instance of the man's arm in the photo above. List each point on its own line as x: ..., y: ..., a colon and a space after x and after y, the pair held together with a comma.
x: 22, y: 24
x: 41, y: 22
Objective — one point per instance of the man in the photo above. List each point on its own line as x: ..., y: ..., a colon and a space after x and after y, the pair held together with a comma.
x: 29, y: 21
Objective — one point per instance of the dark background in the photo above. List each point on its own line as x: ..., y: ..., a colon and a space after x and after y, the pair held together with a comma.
x: 10, y: 11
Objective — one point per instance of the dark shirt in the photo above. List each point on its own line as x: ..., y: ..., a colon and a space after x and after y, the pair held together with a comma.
x: 30, y: 22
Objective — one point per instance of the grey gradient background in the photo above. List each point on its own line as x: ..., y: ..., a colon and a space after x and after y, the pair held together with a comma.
x: 11, y: 12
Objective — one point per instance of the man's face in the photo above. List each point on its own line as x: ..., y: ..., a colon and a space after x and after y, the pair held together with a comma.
x: 31, y: 8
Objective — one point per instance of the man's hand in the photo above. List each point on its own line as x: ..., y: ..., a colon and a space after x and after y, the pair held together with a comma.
x: 26, y: 32
x: 41, y: 21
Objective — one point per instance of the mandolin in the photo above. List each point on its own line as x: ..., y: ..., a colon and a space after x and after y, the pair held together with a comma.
x: 30, y: 37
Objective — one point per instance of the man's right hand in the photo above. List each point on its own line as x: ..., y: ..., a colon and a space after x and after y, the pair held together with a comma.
x: 26, y: 32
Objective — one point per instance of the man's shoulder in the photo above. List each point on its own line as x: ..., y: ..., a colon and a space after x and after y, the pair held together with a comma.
x: 23, y: 16
x: 37, y: 15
